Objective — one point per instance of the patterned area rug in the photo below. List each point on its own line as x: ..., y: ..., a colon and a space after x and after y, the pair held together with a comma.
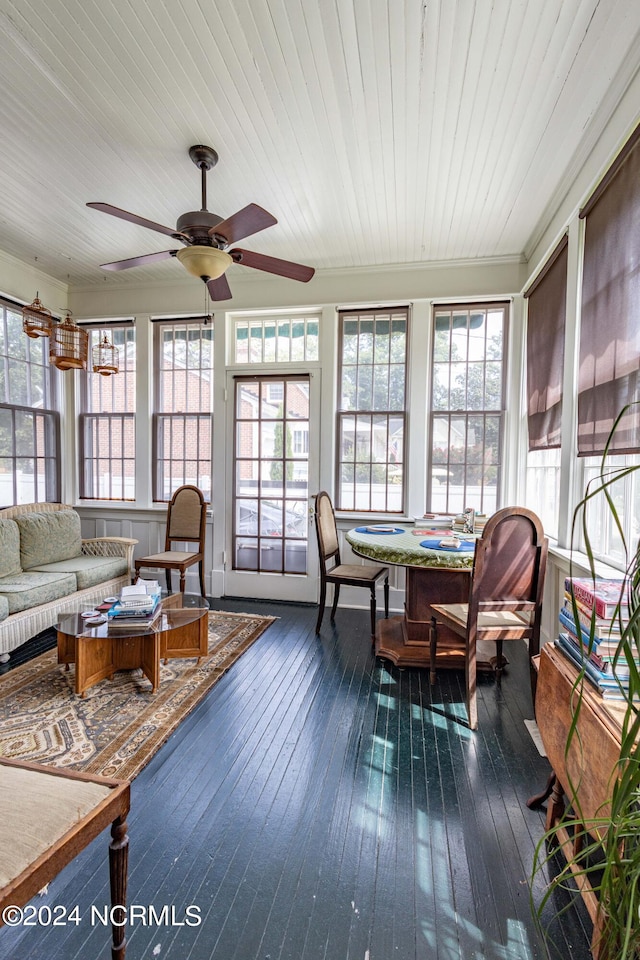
x: 120, y: 724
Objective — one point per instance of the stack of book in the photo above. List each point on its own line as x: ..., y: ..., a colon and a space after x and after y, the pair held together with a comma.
x: 593, y: 643
x: 138, y: 606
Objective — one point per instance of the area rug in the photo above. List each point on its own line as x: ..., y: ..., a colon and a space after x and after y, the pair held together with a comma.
x: 120, y: 724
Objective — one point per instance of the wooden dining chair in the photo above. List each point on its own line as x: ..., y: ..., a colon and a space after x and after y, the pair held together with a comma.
x: 505, y: 596
x: 186, y: 523
x: 332, y: 570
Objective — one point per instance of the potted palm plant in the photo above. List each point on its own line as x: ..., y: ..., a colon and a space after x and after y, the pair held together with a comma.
x: 609, y: 859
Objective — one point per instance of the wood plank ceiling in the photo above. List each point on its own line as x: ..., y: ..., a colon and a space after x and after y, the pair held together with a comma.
x: 376, y: 131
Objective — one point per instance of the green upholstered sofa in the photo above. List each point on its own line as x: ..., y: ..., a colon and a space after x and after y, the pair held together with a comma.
x: 46, y: 569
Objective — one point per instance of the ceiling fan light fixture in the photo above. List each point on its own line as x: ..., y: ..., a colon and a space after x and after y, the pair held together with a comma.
x: 68, y: 345
x: 105, y: 358
x: 204, y: 262
x: 36, y: 319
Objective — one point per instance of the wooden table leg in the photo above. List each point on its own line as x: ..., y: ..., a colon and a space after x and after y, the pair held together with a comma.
x: 118, y: 867
x: 539, y: 798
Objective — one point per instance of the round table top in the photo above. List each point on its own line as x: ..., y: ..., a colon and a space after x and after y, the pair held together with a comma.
x: 404, y: 547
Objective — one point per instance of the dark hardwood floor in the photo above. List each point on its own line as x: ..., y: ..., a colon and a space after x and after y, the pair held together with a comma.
x: 320, y: 804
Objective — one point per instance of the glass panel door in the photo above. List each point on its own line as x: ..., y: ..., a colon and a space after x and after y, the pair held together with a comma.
x: 270, y: 551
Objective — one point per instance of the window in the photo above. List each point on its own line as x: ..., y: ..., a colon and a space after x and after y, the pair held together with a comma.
x: 542, y: 493
x: 276, y: 339
x: 107, y: 421
x: 29, y: 427
x: 609, y: 375
x: 371, y: 409
x: 184, y: 404
x: 467, y: 407
x: 606, y: 542
x: 546, y: 324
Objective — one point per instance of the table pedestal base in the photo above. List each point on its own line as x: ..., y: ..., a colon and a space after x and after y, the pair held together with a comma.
x: 405, y: 640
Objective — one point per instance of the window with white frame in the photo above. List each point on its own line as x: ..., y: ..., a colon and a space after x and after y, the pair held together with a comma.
x: 372, y: 409
x: 107, y: 420
x: 542, y: 487
x: 276, y: 338
x: 183, y: 416
x: 29, y: 426
x: 469, y: 347
x: 623, y: 487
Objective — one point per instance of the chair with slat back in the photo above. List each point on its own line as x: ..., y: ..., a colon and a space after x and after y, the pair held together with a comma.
x: 186, y: 523
x: 332, y: 570
x: 505, y: 597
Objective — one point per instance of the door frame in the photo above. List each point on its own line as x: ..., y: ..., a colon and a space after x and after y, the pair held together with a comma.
x: 266, y: 585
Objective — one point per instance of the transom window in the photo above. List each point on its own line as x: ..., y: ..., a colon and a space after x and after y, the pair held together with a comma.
x: 184, y: 407
x: 29, y: 426
x: 467, y: 407
x: 371, y: 409
x: 276, y: 339
x: 107, y: 421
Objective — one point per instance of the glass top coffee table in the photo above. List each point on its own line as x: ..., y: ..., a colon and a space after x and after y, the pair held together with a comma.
x: 181, y: 630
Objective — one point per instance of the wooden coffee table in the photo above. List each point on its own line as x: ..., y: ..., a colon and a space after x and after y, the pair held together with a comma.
x: 99, y: 651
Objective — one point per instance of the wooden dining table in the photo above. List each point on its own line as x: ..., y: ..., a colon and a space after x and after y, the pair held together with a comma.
x: 434, y: 574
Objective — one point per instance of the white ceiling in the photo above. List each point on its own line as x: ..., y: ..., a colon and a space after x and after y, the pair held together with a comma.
x: 376, y: 131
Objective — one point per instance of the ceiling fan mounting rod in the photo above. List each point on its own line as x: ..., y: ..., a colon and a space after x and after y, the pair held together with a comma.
x: 205, y: 158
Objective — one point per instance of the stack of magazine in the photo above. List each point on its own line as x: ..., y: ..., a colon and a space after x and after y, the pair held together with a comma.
x: 138, y: 606
x: 593, y: 642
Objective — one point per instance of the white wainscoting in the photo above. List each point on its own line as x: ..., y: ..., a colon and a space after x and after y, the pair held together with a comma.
x: 148, y: 528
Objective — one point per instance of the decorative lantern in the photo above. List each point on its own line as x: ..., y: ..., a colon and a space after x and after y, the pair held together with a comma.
x: 104, y: 358
x: 68, y: 345
x: 36, y: 319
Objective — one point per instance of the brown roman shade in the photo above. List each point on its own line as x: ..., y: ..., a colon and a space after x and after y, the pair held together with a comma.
x: 546, y: 316
x: 610, y: 326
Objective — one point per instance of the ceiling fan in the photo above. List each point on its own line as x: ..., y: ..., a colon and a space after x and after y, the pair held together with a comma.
x: 206, y: 237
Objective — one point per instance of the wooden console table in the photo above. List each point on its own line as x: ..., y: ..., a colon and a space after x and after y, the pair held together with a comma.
x: 49, y: 815
x: 590, y: 763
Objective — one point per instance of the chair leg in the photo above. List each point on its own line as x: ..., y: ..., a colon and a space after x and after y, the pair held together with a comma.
x: 372, y: 604
x: 201, y: 568
x: 433, y: 646
x: 386, y: 598
x: 336, y: 595
x: 323, y: 597
x: 470, y: 678
x: 499, y: 660
x: 183, y: 581
x: 168, y: 576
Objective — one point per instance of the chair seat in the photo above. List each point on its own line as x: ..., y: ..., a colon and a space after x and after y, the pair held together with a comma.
x: 167, y: 556
x: 456, y: 615
x: 362, y: 573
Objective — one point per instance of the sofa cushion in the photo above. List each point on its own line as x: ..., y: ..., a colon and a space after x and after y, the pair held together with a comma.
x: 89, y: 571
x: 9, y: 548
x: 28, y: 589
x: 4, y: 608
x: 49, y: 537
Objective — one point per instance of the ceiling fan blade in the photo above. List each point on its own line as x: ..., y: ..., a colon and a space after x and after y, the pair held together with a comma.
x: 283, y: 268
x: 139, y: 261
x: 133, y: 218
x: 219, y: 288
x: 251, y: 219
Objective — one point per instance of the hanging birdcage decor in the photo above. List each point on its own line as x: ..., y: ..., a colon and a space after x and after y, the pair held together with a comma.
x: 68, y: 345
x: 105, y: 358
x: 36, y: 319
